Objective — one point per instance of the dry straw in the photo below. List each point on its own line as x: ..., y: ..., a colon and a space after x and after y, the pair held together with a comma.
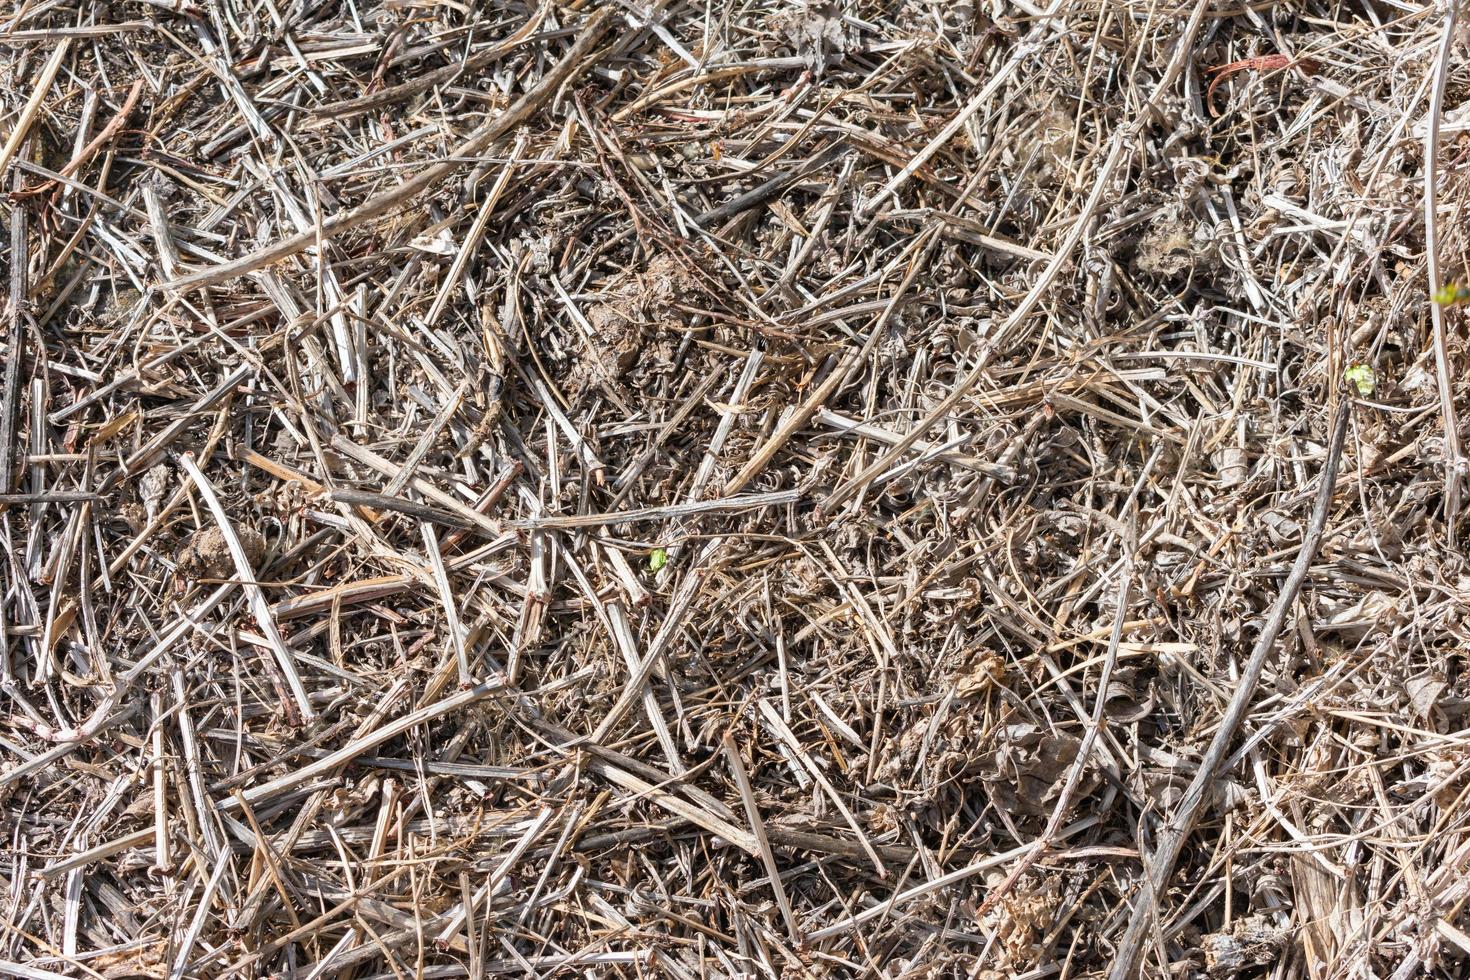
x: 785, y: 489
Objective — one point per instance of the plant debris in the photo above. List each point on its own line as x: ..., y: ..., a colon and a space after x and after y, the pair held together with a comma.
x: 785, y: 489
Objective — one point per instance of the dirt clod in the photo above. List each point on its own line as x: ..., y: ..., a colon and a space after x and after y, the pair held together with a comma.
x: 206, y: 554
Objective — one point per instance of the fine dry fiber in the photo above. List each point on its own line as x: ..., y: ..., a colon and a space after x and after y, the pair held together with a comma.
x: 759, y: 488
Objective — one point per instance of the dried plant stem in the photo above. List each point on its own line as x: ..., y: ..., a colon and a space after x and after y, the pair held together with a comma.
x: 285, y: 658
x: 1160, y: 864
x: 1454, y: 466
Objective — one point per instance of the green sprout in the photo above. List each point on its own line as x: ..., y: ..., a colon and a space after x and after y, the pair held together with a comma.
x: 1362, y: 377
x: 657, y: 559
x: 1451, y: 293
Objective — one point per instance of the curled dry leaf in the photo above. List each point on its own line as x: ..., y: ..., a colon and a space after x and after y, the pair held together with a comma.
x: 1025, y: 769
x: 1250, y: 941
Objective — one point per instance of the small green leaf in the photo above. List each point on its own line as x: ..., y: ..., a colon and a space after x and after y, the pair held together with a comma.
x: 1451, y: 293
x: 657, y: 559
x: 1362, y: 377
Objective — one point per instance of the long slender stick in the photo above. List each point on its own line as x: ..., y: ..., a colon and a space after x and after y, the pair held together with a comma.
x: 1079, y: 765
x: 1171, y: 841
x: 33, y: 104
x: 1452, y: 458
x: 10, y: 391
x: 758, y: 826
x: 253, y: 593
